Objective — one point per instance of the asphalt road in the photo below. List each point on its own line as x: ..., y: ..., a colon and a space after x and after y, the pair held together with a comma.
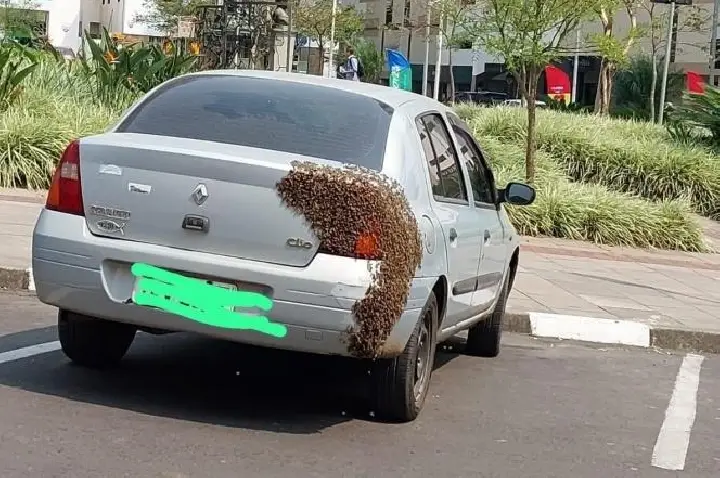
x: 182, y: 406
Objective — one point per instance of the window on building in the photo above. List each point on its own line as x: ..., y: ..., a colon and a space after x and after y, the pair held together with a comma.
x: 95, y: 30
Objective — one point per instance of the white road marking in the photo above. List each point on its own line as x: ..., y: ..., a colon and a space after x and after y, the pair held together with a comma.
x: 29, y: 351
x: 672, y: 444
x: 590, y: 329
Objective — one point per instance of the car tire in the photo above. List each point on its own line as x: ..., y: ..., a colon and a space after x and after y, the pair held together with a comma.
x: 400, y: 391
x: 93, y: 343
x: 484, y: 337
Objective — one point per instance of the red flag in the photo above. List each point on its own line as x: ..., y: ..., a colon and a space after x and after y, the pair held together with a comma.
x: 694, y: 82
x: 557, y: 83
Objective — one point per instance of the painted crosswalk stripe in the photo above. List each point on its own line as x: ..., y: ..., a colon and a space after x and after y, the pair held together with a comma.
x: 672, y: 443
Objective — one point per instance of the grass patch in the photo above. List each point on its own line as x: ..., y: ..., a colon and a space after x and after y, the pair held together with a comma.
x: 590, y: 212
x: 56, y: 107
x: 59, y: 104
x: 623, y: 155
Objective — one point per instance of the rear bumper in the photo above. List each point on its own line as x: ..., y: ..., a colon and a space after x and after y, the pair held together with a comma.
x: 77, y: 271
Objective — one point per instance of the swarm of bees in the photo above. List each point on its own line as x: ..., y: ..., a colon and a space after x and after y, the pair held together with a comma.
x: 343, y: 204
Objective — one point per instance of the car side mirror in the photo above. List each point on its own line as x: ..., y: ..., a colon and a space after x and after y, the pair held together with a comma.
x: 518, y: 194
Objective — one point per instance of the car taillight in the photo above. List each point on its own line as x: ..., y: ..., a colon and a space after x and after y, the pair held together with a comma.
x: 367, y: 247
x: 65, y: 194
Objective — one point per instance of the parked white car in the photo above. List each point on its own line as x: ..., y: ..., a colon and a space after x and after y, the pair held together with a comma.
x: 518, y: 102
x: 185, y: 183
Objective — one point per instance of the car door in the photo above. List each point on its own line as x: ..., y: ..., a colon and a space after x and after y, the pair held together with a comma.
x: 458, y: 219
x: 493, y: 254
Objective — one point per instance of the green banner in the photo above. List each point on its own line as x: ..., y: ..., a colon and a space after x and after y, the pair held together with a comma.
x: 401, y: 78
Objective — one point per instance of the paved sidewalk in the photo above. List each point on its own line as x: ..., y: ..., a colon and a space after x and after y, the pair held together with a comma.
x: 672, y: 291
x: 18, y: 212
x: 655, y: 288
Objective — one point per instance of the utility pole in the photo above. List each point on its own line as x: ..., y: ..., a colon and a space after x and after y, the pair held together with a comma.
x: 332, y: 38
x: 713, y: 42
x: 438, y: 59
x: 576, y: 61
x: 426, y: 64
x: 290, y: 40
x: 668, y: 50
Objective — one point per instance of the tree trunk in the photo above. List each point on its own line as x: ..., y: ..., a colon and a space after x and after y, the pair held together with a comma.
x: 609, y: 76
x: 598, y: 90
x: 531, y: 139
x: 321, y: 59
x: 653, y: 87
x: 604, y: 88
x: 452, y: 77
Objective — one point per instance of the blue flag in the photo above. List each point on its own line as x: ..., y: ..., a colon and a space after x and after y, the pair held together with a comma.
x: 400, y: 71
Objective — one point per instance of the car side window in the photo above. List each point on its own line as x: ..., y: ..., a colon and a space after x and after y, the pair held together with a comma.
x: 480, y: 183
x: 445, y: 172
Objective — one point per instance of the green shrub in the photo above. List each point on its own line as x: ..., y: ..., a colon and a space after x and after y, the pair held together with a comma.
x: 701, y: 111
x: 590, y: 212
x: 30, y: 145
x: 632, y: 84
x: 628, y: 156
x: 16, y: 64
x: 56, y: 108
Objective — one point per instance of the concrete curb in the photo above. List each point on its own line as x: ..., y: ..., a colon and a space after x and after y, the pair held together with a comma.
x: 608, y: 331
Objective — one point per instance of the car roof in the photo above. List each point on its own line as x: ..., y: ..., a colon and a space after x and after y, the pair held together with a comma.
x: 391, y: 96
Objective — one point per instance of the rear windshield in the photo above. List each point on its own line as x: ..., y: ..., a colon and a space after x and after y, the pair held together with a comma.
x: 311, y: 120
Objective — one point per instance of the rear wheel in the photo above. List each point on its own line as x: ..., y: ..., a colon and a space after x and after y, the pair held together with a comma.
x: 484, y: 338
x: 93, y: 343
x: 402, y: 383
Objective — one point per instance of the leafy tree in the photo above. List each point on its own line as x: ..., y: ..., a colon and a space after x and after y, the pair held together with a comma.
x: 692, y: 20
x: 313, y: 18
x: 20, y: 19
x: 164, y: 14
x: 457, y: 21
x: 371, y: 58
x: 613, y: 48
x: 529, y: 35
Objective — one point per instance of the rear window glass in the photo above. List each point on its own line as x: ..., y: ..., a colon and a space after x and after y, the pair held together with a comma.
x: 311, y: 120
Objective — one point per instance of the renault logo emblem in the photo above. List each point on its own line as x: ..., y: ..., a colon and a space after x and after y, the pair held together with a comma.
x: 200, y: 194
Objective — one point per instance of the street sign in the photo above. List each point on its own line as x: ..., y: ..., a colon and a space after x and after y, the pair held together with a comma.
x: 185, y: 29
x: 676, y: 2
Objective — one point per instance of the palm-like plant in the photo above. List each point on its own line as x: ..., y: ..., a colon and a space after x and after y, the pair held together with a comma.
x: 700, y: 111
x: 135, y: 67
x: 16, y: 63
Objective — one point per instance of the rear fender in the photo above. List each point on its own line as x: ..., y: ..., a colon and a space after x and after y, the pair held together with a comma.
x: 398, y: 339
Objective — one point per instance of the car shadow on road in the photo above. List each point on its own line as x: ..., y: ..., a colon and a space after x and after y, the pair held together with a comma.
x: 207, y: 381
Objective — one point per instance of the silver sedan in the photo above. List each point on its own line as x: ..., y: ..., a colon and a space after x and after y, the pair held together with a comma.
x: 172, y: 221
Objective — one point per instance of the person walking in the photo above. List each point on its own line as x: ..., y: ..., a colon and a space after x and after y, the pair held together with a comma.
x: 352, y: 66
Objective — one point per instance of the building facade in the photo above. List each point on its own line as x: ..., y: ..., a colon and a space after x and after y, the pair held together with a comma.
x: 394, y: 24
x: 65, y: 20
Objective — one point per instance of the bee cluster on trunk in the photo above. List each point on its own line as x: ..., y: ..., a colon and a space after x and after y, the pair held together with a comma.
x: 341, y: 204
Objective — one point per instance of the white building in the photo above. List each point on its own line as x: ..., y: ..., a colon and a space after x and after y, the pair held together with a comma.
x: 66, y: 19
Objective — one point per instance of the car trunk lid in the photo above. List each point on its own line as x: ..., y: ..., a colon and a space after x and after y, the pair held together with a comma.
x: 195, y: 195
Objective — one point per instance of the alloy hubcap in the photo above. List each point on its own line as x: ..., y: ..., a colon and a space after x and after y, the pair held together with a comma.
x: 424, y: 360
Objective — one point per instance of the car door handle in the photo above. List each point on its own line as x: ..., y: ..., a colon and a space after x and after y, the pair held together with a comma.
x: 453, y: 234
x: 486, y: 236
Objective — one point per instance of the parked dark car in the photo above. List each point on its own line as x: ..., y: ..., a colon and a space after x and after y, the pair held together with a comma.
x: 487, y: 98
